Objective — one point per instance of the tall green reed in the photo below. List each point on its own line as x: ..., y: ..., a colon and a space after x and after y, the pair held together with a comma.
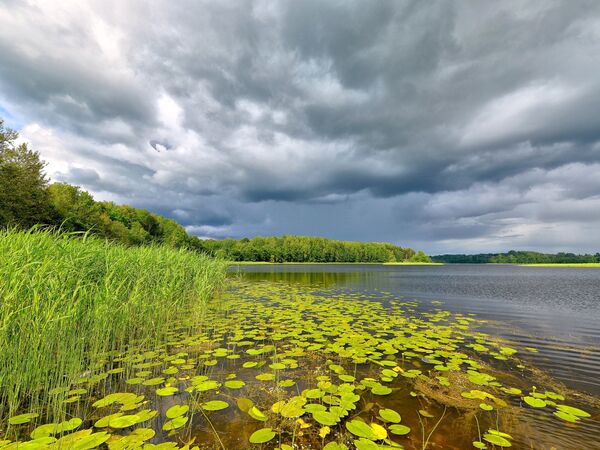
x: 65, y: 299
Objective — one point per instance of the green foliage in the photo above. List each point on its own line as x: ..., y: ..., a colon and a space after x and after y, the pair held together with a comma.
x: 66, y: 299
x: 518, y: 257
x: 76, y: 210
x: 23, y: 185
x: 420, y: 256
x: 309, y: 249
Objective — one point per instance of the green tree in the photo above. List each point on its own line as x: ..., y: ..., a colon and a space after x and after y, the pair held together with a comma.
x: 23, y: 184
x: 76, y: 209
x: 420, y: 256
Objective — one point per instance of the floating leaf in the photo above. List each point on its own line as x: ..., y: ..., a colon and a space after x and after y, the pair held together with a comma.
x: 325, y: 418
x: 124, y: 421
x: 379, y: 431
x: 255, y: 413
x: 497, y: 440
x: 261, y: 436
x: 166, y: 391
x: 389, y: 415
x: 400, y: 430
x: 207, y: 385
x: 177, y: 411
x: 360, y: 429
x: 69, y: 425
x: 566, y: 416
x: 22, y: 418
x: 365, y: 444
x: 265, y: 377
x: 573, y: 411
x: 335, y: 446
x: 249, y: 364
x: 381, y: 390
x: 534, y: 402
x: 244, y: 404
x: 175, y: 424
x: 214, y: 405
x: 153, y: 381
x: 146, y: 414
x: 103, y: 422
x: 91, y: 441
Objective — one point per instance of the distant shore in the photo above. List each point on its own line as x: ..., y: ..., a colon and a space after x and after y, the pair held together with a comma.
x: 407, y: 263
x: 562, y: 265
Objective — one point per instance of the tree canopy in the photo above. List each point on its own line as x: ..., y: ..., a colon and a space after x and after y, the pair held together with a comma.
x: 23, y: 185
x: 518, y: 257
x: 309, y: 249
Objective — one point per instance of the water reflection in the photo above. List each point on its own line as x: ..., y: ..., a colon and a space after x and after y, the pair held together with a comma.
x: 322, y: 279
x: 555, y: 310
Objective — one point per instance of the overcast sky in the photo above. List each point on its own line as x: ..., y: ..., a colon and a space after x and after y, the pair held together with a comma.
x: 446, y: 126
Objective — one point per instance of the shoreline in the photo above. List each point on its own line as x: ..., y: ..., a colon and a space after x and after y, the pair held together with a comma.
x: 583, y: 265
x: 265, y: 263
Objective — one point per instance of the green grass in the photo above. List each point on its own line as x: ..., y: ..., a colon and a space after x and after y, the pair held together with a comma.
x: 64, y: 299
x: 562, y: 265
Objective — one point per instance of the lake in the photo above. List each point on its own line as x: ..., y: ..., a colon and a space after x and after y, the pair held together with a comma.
x: 554, y: 310
x: 346, y: 357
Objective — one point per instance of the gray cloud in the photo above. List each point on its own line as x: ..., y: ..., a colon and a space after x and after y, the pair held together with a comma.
x: 448, y: 126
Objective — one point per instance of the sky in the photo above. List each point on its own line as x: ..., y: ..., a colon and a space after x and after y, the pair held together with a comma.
x: 451, y: 127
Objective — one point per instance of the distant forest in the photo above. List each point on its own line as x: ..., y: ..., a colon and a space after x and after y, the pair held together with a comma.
x: 517, y: 257
x: 310, y: 249
x: 28, y: 199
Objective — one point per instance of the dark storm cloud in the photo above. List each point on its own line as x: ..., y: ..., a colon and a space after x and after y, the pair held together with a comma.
x: 448, y: 124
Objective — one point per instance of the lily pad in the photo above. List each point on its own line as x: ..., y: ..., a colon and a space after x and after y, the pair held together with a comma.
x: 256, y: 414
x: 399, y: 429
x: 124, y: 421
x: 325, y: 418
x: 360, y: 429
x: 381, y: 390
x: 497, y: 440
x: 22, y: 418
x: 214, y: 405
x: 534, y: 402
x: 177, y: 411
x: 261, y: 436
x: 573, y: 411
x: 175, y: 424
x: 389, y: 415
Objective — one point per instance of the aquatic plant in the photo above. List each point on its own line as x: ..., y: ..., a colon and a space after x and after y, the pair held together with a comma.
x: 291, y: 368
x: 67, y: 301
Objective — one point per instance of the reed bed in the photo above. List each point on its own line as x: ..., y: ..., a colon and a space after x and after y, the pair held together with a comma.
x: 64, y: 299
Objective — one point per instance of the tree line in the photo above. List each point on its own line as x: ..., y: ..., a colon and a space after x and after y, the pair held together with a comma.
x: 310, y: 249
x: 518, y: 257
x: 27, y: 198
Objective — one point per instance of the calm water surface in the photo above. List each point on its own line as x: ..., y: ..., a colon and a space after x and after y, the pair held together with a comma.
x: 556, y: 310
